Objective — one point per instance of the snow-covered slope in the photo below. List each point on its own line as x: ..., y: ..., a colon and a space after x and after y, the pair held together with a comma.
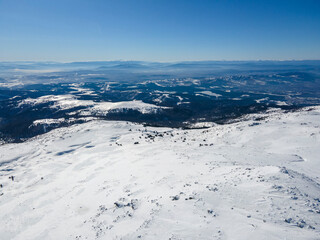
x: 117, y: 180
x: 64, y: 102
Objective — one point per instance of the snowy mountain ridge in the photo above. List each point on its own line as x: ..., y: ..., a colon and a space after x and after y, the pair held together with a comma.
x: 118, y: 180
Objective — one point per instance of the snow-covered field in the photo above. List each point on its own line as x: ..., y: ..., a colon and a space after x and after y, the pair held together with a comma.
x: 65, y: 102
x: 117, y: 180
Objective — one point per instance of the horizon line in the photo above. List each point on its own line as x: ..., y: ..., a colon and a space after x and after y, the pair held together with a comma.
x: 181, y: 61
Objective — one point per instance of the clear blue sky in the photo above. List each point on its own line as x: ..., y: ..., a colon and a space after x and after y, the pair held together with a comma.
x: 159, y: 30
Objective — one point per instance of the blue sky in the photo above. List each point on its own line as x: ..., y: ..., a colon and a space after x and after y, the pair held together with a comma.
x: 162, y: 30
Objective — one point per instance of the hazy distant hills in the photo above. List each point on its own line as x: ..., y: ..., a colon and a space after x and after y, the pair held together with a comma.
x: 157, y: 66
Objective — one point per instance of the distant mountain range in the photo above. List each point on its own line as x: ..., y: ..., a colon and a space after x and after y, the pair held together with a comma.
x: 36, y: 97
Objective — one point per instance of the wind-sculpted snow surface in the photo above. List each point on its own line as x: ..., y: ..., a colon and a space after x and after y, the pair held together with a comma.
x: 117, y: 180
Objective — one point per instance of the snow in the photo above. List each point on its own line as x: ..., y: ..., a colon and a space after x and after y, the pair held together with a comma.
x: 118, y: 180
x: 81, y: 91
x: 281, y: 103
x: 102, y: 108
x: 209, y: 93
x: 48, y: 121
x: 261, y: 100
x: 10, y: 84
x: 66, y: 102
x: 62, y: 101
x: 202, y: 125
